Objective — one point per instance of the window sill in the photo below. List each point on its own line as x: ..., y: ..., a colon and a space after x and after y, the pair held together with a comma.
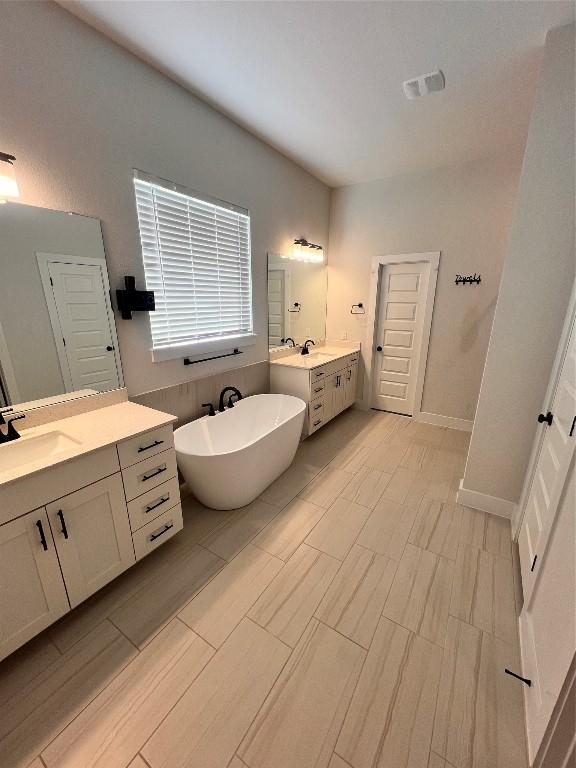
x: 209, y: 346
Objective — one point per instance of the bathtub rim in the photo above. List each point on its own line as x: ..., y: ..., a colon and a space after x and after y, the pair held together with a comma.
x: 181, y: 429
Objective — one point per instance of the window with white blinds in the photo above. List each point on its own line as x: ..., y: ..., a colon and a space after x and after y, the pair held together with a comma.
x: 197, y: 260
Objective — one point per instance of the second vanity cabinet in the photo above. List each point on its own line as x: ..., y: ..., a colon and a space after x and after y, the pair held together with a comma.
x: 328, y: 388
x: 115, y: 506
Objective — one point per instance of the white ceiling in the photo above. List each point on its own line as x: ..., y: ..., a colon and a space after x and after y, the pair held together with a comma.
x: 322, y: 81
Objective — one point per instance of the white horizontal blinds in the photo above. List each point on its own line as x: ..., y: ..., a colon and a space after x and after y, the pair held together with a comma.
x: 197, y: 261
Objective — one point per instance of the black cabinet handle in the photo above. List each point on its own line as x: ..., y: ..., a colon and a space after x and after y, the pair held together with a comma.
x: 317, y: 422
x: 153, y: 474
x: 63, y: 530
x: 572, y: 427
x: 548, y: 418
x: 318, y: 389
x: 152, y: 445
x: 110, y: 348
x: 533, y: 563
x: 159, y: 503
x: 162, y: 532
x: 42, y: 536
x: 316, y: 407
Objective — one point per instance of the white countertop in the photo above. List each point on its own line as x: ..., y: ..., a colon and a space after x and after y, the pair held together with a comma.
x: 318, y: 356
x: 86, y: 432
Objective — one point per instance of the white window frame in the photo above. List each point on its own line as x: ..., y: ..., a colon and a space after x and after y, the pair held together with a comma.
x: 206, y: 345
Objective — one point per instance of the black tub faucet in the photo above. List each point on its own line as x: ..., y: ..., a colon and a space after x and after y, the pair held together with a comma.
x: 234, y: 391
x: 305, y: 350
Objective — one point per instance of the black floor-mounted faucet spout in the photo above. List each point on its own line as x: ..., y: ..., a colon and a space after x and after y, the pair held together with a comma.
x: 234, y: 391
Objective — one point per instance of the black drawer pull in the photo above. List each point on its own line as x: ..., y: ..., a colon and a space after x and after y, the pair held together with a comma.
x: 533, y: 563
x: 155, y: 536
x: 153, y: 474
x: 63, y: 530
x: 317, y: 422
x: 317, y: 406
x: 152, y: 445
x: 318, y: 389
x: 42, y: 536
x: 159, y: 503
x: 319, y: 373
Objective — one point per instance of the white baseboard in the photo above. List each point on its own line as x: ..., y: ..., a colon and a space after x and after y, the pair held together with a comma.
x: 485, y: 503
x: 444, y: 421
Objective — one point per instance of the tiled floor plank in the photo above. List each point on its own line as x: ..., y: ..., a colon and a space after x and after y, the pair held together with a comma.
x: 326, y: 487
x: 208, y: 723
x: 238, y: 530
x: 338, y: 529
x: 391, y: 716
x: 366, y: 487
x: 480, y: 715
x: 286, y: 607
x: 354, y: 602
x: 387, y: 529
x: 483, y: 593
x: 299, y: 723
x: 50, y: 701
x: 437, y: 528
x: 118, y: 722
x: 224, y: 602
x: 420, y: 595
x: 287, y: 531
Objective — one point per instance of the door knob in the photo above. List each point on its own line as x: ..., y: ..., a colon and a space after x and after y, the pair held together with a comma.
x: 378, y: 349
x: 548, y: 418
x: 109, y: 348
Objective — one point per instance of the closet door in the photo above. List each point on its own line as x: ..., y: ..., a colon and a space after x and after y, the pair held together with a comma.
x: 32, y: 595
x: 546, y: 545
x: 92, y: 534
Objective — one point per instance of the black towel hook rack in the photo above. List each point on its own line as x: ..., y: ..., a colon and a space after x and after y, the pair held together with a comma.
x: 468, y: 279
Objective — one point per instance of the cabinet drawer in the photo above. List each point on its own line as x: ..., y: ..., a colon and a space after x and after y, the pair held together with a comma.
x: 317, y: 389
x: 314, y: 423
x: 153, y: 503
x: 149, y: 474
x: 157, y: 531
x: 316, y: 409
x: 317, y: 375
x: 148, y: 444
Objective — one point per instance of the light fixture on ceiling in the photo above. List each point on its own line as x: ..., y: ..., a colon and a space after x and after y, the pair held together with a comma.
x: 424, y: 84
x: 8, y: 183
x: 302, y: 250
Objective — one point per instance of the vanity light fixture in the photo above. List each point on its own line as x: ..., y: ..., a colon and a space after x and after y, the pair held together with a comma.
x: 8, y: 183
x: 302, y: 250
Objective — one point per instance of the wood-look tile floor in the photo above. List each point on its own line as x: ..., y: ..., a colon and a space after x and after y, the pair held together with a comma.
x: 352, y: 617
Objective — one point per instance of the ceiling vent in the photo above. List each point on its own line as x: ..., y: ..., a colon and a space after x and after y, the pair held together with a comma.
x: 420, y: 86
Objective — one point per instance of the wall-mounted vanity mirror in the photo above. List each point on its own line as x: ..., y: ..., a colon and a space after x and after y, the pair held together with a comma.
x: 296, y: 300
x: 57, y: 330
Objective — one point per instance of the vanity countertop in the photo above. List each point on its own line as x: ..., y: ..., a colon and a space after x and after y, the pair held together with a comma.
x: 79, y: 435
x: 318, y: 356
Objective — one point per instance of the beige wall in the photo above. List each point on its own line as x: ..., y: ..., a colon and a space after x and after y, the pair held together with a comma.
x: 536, y: 283
x: 465, y: 213
x: 80, y: 113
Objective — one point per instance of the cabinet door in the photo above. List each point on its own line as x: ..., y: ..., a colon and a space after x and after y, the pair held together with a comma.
x: 339, y: 391
x: 351, y: 384
x: 92, y: 534
x: 32, y: 593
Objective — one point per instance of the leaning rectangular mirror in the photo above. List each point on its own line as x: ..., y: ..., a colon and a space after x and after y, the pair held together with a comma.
x: 296, y: 300
x: 57, y: 329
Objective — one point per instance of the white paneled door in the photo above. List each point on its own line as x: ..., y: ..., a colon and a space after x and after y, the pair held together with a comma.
x: 276, y: 308
x: 403, y: 297
x: 546, y: 547
x: 85, y: 324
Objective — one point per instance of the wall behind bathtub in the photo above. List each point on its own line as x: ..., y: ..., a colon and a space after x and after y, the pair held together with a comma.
x: 80, y: 112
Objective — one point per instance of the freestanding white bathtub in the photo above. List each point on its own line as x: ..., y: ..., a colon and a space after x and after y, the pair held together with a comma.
x: 229, y: 459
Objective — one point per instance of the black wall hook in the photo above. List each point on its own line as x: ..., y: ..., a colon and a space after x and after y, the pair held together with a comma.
x: 468, y: 280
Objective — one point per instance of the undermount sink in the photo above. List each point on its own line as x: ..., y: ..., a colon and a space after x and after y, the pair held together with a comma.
x: 319, y: 355
x: 27, y: 450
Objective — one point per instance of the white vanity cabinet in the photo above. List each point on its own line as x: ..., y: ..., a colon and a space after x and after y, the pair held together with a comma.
x: 32, y: 591
x: 93, y: 538
x: 328, y: 388
x: 92, y: 518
